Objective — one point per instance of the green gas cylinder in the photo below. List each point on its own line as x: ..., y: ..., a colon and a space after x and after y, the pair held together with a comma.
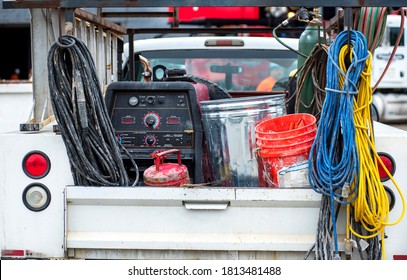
x: 308, y: 39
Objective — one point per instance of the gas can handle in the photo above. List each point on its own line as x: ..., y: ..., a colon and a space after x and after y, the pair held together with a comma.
x: 159, y: 157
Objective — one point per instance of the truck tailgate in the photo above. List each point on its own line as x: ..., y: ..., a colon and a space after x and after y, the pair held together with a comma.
x: 152, y: 218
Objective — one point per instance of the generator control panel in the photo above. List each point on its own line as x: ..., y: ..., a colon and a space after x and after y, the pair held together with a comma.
x: 150, y: 116
x: 149, y: 119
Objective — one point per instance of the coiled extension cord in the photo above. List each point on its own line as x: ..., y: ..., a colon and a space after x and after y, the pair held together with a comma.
x: 77, y: 101
x: 333, y: 162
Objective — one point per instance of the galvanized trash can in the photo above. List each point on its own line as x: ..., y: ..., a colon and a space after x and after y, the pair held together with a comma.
x: 229, y: 126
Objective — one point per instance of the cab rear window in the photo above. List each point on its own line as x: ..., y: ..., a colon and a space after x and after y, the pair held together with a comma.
x: 234, y: 70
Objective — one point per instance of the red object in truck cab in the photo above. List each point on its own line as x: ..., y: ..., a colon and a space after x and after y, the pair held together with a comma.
x: 186, y: 14
x: 223, y: 16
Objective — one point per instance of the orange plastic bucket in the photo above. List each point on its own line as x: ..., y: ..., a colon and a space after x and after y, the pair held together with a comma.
x: 283, y: 150
x: 285, y: 143
x: 286, y: 126
x: 275, y: 165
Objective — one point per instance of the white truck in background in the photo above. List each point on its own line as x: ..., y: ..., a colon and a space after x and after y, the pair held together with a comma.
x: 390, y: 98
x: 45, y: 216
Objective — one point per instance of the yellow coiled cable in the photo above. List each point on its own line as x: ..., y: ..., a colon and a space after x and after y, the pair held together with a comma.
x: 371, y: 206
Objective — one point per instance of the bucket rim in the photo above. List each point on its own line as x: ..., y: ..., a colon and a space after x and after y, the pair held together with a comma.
x: 265, y: 153
x: 231, y: 104
x: 311, y: 140
x: 241, y: 99
x: 258, y: 130
x: 286, y: 138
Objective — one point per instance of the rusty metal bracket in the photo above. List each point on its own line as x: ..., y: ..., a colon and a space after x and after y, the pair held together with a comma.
x: 31, y: 125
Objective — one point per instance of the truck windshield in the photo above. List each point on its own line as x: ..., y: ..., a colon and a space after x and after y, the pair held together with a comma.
x: 234, y: 70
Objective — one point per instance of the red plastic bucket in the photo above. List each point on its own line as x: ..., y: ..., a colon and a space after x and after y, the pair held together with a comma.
x: 274, y: 167
x: 286, y: 126
x: 282, y: 150
x: 266, y: 142
x: 285, y: 143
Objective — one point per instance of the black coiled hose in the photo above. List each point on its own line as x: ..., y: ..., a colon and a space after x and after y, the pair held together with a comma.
x: 93, y: 149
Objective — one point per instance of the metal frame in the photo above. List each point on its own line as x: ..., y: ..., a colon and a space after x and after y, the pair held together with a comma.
x: 46, y: 26
x: 191, y: 3
x: 69, y: 9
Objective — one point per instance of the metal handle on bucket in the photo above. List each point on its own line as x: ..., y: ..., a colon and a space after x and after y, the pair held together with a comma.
x: 159, y: 157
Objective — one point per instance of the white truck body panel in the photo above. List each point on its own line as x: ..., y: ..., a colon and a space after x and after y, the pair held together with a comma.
x: 190, y: 219
x: 392, y: 141
x: 40, y: 232
x: 172, y: 223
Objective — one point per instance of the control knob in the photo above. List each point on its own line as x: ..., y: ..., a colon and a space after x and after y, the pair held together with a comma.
x: 152, y: 120
x: 150, y: 140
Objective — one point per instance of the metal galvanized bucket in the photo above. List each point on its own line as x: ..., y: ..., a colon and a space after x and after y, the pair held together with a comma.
x: 166, y: 174
x: 229, y: 126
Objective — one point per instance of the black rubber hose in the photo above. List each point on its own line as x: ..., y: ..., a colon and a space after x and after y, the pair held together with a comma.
x: 93, y: 149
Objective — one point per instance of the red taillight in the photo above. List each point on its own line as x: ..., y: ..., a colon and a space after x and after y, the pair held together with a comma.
x: 36, y: 164
x: 12, y: 253
x: 390, y: 166
x: 224, y: 43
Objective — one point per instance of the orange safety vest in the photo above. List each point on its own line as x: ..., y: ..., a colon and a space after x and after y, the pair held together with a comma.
x: 267, y: 84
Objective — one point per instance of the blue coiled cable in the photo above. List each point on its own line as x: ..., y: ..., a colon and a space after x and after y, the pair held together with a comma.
x: 333, y: 162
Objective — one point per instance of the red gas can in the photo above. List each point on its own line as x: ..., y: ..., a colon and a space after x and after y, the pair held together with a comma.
x: 166, y: 174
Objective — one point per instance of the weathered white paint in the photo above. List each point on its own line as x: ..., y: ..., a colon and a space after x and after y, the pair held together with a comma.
x: 20, y: 228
